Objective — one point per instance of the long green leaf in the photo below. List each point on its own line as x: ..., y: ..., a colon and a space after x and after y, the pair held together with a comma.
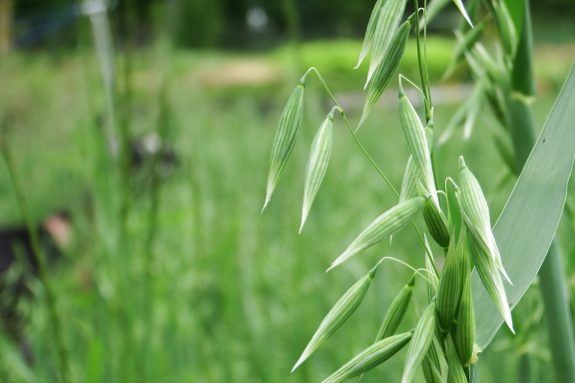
x: 525, y: 228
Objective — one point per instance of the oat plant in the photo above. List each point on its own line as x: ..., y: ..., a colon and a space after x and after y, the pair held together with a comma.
x: 487, y: 269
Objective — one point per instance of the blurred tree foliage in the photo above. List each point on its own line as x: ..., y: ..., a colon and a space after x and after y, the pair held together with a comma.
x: 212, y: 23
x: 197, y: 23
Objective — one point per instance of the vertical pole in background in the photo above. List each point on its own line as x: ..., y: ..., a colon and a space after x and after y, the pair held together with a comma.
x: 294, y: 32
x: 6, y: 21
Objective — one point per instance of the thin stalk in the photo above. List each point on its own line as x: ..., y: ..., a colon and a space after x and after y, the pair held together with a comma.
x: 134, y: 356
x: 149, y: 286
x: 40, y: 257
x: 343, y: 115
x: 125, y: 125
x: 556, y: 301
x: 525, y: 373
x: 552, y: 275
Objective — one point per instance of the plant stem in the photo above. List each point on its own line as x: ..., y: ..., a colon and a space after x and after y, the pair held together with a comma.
x: 551, y: 274
x: 556, y: 301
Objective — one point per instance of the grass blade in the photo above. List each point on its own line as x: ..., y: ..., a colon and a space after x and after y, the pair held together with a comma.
x: 536, y: 205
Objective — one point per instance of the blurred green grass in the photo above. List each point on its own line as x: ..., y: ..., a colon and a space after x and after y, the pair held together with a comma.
x: 230, y: 294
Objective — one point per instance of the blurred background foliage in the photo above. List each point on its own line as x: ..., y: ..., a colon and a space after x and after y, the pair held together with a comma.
x: 225, y: 23
x: 181, y: 278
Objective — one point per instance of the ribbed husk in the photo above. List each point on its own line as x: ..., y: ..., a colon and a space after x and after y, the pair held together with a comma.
x: 431, y: 366
x: 339, y: 313
x: 420, y: 342
x: 452, y: 281
x: 396, y: 311
x: 491, y: 280
x: 317, y: 163
x: 371, y: 357
x: 464, y: 337
x: 455, y: 372
x: 285, y: 138
x: 386, y: 68
x: 385, y: 225
x: 436, y: 223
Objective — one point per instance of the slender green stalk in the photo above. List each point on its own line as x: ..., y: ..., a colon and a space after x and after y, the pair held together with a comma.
x: 126, y: 116
x: 132, y: 352
x: 552, y: 275
x: 42, y: 263
x: 556, y: 301
x: 351, y: 130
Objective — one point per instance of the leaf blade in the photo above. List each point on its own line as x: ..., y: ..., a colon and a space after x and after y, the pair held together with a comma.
x: 539, y: 197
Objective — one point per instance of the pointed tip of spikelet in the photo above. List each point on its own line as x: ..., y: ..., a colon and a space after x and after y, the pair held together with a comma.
x: 462, y: 164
